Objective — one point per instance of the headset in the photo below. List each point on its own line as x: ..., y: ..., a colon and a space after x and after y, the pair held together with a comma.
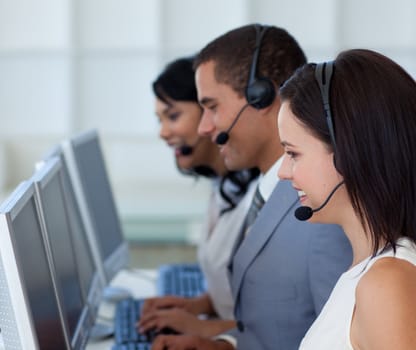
x: 323, y: 75
x: 260, y: 91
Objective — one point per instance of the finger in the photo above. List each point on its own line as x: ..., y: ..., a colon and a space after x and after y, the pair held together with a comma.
x: 148, y: 305
x: 163, y: 342
x: 159, y: 343
x: 153, y: 315
x: 162, y: 319
x: 153, y: 304
x: 145, y: 325
x: 168, y: 302
x: 148, y: 316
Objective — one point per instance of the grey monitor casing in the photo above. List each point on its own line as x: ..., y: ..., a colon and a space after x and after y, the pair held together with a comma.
x: 110, y: 263
x: 92, y: 282
x: 63, y: 258
x: 18, y: 327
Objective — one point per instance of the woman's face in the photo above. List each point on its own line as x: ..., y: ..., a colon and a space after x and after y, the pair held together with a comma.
x: 309, y: 164
x: 179, y: 122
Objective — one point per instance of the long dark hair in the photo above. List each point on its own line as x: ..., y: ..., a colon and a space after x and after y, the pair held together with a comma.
x: 373, y: 104
x: 177, y: 82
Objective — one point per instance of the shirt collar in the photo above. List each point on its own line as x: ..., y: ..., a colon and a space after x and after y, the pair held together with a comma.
x: 269, y: 180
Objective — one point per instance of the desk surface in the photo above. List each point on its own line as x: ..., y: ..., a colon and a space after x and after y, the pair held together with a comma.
x: 141, y: 283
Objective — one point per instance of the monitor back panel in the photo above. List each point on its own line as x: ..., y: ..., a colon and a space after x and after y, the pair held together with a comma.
x: 96, y: 187
x: 31, y: 317
x: 59, y: 240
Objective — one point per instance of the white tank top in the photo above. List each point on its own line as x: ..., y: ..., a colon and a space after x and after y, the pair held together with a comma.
x: 331, y: 330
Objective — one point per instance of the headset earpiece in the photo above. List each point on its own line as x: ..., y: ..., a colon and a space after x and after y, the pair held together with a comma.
x: 260, y: 91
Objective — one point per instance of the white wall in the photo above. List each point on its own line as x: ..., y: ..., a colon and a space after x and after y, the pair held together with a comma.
x: 70, y: 65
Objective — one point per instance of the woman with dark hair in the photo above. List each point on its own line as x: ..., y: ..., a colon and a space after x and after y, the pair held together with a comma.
x: 179, y: 114
x: 349, y: 132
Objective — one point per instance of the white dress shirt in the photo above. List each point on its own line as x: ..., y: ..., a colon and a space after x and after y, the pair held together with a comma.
x: 216, y: 245
x: 267, y: 182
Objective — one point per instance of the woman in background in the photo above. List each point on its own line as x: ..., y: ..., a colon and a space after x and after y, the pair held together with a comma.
x: 179, y: 114
x: 349, y: 129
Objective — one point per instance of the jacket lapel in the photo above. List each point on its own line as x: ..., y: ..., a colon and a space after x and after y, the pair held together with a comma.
x: 274, y: 210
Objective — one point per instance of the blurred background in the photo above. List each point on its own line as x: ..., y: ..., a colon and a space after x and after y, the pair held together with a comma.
x: 72, y: 65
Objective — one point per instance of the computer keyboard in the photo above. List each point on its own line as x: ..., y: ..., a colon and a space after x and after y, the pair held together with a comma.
x: 185, y: 280
x: 126, y: 317
x: 131, y: 346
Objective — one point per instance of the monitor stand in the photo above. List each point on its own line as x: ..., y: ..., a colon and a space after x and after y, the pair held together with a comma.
x: 115, y: 294
x: 101, y: 331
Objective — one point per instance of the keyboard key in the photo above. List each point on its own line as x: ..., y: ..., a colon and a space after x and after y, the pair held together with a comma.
x: 184, y: 280
x: 131, y: 346
x: 126, y: 316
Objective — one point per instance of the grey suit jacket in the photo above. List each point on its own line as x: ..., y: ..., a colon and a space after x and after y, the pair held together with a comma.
x: 282, y: 274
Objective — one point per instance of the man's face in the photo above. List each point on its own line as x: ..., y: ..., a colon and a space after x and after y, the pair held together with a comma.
x: 221, y: 105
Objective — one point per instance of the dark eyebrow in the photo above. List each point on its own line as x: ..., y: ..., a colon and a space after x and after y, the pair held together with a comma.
x: 205, y: 100
x: 285, y: 144
x: 167, y: 109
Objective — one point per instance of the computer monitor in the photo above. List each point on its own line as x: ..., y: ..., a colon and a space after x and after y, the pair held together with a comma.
x: 30, y: 313
x: 92, y: 187
x: 91, y: 283
x: 59, y: 241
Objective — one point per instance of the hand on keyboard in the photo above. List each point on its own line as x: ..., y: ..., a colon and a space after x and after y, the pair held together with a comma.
x: 184, y: 280
x: 164, y: 331
x: 152, y: 304
x: 131, y: 346
x: 127, y: 313
x: 175, y: 319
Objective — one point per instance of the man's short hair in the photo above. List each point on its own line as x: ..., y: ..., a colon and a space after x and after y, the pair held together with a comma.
x: 280, y: 55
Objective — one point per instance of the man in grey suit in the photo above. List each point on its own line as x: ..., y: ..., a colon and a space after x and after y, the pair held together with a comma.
x: 282, y: 270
